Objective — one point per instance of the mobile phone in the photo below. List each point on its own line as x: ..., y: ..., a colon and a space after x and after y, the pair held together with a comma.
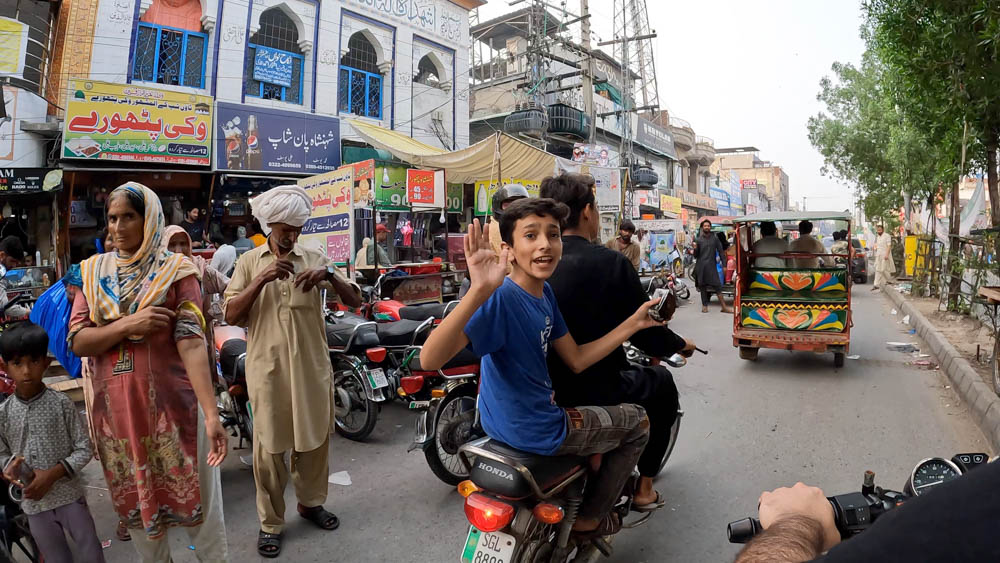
x: 24, y: 471
x: 664, y: 310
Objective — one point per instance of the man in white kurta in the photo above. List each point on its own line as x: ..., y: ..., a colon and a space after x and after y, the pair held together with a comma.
x: 884, y: 266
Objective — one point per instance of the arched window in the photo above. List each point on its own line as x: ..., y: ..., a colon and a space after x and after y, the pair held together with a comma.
x: 274, y: 59
x: 170, y: 47
x: 427, y: 72
x: 360, y: 88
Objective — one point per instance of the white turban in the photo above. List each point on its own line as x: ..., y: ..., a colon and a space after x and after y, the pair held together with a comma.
x: 287, y: 204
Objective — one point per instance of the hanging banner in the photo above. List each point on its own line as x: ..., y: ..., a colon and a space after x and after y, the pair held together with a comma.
x: 456, y: 196
x: 364, y: 190
x: 330, y: 226
x: 420, y: 187
x: 107, y: 121
x: 272, y: 66
x: 607, y: 184
x: 485, y: 190
x: 390, y: 188
x: 591, y: 154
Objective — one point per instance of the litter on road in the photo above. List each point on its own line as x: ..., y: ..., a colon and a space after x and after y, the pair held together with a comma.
x: 902, y: 347
x: 340, y: 478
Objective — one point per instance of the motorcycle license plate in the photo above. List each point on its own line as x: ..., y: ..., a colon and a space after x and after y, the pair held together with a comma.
x: 376, y: 378
x: 488, y: 547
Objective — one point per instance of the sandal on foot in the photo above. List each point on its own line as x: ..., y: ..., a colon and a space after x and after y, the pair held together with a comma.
x: 650, y: 506
x: 319, y: 516
x: 122, y: 532
x: 610, y: 525
x: 268, y: 545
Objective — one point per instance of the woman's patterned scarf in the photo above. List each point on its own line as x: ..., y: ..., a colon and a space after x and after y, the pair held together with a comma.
x: 112, y: 282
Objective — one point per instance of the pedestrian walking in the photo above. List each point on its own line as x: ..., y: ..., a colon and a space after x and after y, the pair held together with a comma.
x: 154, y: 411
x: 43, y: 448
x: 275, y: 291
x: 884, y: 266
x: 708, y: 250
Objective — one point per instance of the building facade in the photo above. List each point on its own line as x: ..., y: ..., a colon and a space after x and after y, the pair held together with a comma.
x: 764, y: 185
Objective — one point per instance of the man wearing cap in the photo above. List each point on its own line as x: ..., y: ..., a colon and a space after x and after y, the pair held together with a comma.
x: 275, y: 290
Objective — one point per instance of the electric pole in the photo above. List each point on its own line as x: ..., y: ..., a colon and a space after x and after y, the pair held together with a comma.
x: 588, y: 69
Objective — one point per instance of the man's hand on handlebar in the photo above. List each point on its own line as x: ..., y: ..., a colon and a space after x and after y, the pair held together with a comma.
x: 799, y: 500
x: 689, y: 348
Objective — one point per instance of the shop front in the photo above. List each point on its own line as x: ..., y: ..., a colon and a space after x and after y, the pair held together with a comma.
x: 116, y: 133
x: 29, y: 201
x: 697, y: 205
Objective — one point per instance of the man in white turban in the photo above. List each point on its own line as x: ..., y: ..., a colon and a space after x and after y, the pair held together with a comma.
x: 275, y: 291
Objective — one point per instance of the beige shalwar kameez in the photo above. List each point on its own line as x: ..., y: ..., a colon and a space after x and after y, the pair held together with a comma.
x: 288, y: 379
x: 884, y: 266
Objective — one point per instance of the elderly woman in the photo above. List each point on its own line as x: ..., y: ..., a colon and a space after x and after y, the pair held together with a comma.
x: 139, y: 318
x: 213, y: 282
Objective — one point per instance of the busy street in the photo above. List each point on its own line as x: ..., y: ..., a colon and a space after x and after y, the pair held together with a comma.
x: 746, y: 428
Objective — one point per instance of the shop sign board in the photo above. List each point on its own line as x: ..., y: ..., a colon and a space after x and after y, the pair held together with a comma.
x: 748, y: 183
x: 272, y: 66
x: 29, y: 180
x: 485, y: 190
x: 670, y: 204
x: 270, y: 140
x: 390, y: 188
x: 329, y: 227
x: 364, y: 189
x: 420, y: 186
x: 456, y: 197
x: 652, y: 136
x: 697, y: 200
x: 125, y: 122
x: 659, y: 225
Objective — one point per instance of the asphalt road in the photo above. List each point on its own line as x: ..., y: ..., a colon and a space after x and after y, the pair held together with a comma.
x: 747, y: 427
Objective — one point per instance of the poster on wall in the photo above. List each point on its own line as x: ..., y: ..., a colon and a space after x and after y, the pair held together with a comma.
x: 485, y: 190
x: 13, y: 46
x: 329, y: 228
x: 670, y: 204
x: 124, y: 122
x: 660, y: 246
x: 270, y: 140
x: 364, y: 188
x: 7, y: 132
x: 607, y: 184
x: 272, y: 66
x: 591, y: 154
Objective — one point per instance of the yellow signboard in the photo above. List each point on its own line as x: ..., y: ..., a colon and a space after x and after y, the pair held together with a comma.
x: 670, y: 204
x: 135, y: 123
x: 329, y: 228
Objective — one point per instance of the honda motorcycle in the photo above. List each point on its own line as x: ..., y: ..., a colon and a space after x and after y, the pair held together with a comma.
x: 855, y: 512
x: 231, y: 384
x: 521, y: 507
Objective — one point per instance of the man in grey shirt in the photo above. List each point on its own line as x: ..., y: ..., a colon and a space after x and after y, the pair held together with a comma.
x: 769, y: 244
x: 43, y: 448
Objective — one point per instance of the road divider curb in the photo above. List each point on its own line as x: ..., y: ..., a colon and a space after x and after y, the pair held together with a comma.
x: 983, y: 402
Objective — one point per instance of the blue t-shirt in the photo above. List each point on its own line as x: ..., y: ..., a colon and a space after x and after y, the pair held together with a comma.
x: 512, y: 331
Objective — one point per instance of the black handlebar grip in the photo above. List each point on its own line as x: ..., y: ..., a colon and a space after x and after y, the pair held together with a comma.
x: 742, y: 531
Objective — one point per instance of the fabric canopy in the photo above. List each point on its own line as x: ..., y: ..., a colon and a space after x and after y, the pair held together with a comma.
x: 498, y: 156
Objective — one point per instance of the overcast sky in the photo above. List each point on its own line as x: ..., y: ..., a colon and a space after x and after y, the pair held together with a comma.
x: 747, y: 73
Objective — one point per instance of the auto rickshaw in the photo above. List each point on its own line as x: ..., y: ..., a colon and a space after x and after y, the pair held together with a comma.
x: 794, y: 307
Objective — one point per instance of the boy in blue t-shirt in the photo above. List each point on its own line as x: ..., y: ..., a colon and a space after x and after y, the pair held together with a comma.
x: 511, y: 321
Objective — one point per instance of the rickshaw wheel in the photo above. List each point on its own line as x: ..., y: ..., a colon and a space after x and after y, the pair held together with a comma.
x: 838, y: 359
x: 748, y: 353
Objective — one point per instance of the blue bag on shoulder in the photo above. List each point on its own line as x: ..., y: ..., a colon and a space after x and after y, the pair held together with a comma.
x: 52, y: 312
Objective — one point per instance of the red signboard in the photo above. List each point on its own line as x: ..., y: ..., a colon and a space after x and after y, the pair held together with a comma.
x: 420, y: 186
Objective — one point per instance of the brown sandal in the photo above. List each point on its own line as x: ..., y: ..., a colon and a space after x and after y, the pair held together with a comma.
x: 122, y: 532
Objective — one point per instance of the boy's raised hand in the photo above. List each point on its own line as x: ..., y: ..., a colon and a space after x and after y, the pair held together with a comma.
x: 486, y: 269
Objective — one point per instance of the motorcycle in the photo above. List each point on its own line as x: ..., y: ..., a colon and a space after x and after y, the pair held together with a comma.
x: 231, y: 384
x: 375, y: 308
x: 855, y: 512
x: 665, y: 279
x: 364, y: 355
x: 521, y: 507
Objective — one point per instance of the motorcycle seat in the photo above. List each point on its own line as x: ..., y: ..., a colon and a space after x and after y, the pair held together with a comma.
x: 464, y: 358
x: 400, y: 333
x: 229, y: 354
x: 505, y: 478
x: 423, y: 312
x: 337, y: 335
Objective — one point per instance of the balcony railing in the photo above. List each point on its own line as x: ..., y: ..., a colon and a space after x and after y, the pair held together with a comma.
x: 678, y: 122
x: 704, y: 141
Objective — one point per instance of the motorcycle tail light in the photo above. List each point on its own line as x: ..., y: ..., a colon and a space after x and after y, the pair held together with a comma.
x: 548, y: 513
x: 376, y: 355
x: 466, y: 488
x: 412, y: 383
x: 488, y: 514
